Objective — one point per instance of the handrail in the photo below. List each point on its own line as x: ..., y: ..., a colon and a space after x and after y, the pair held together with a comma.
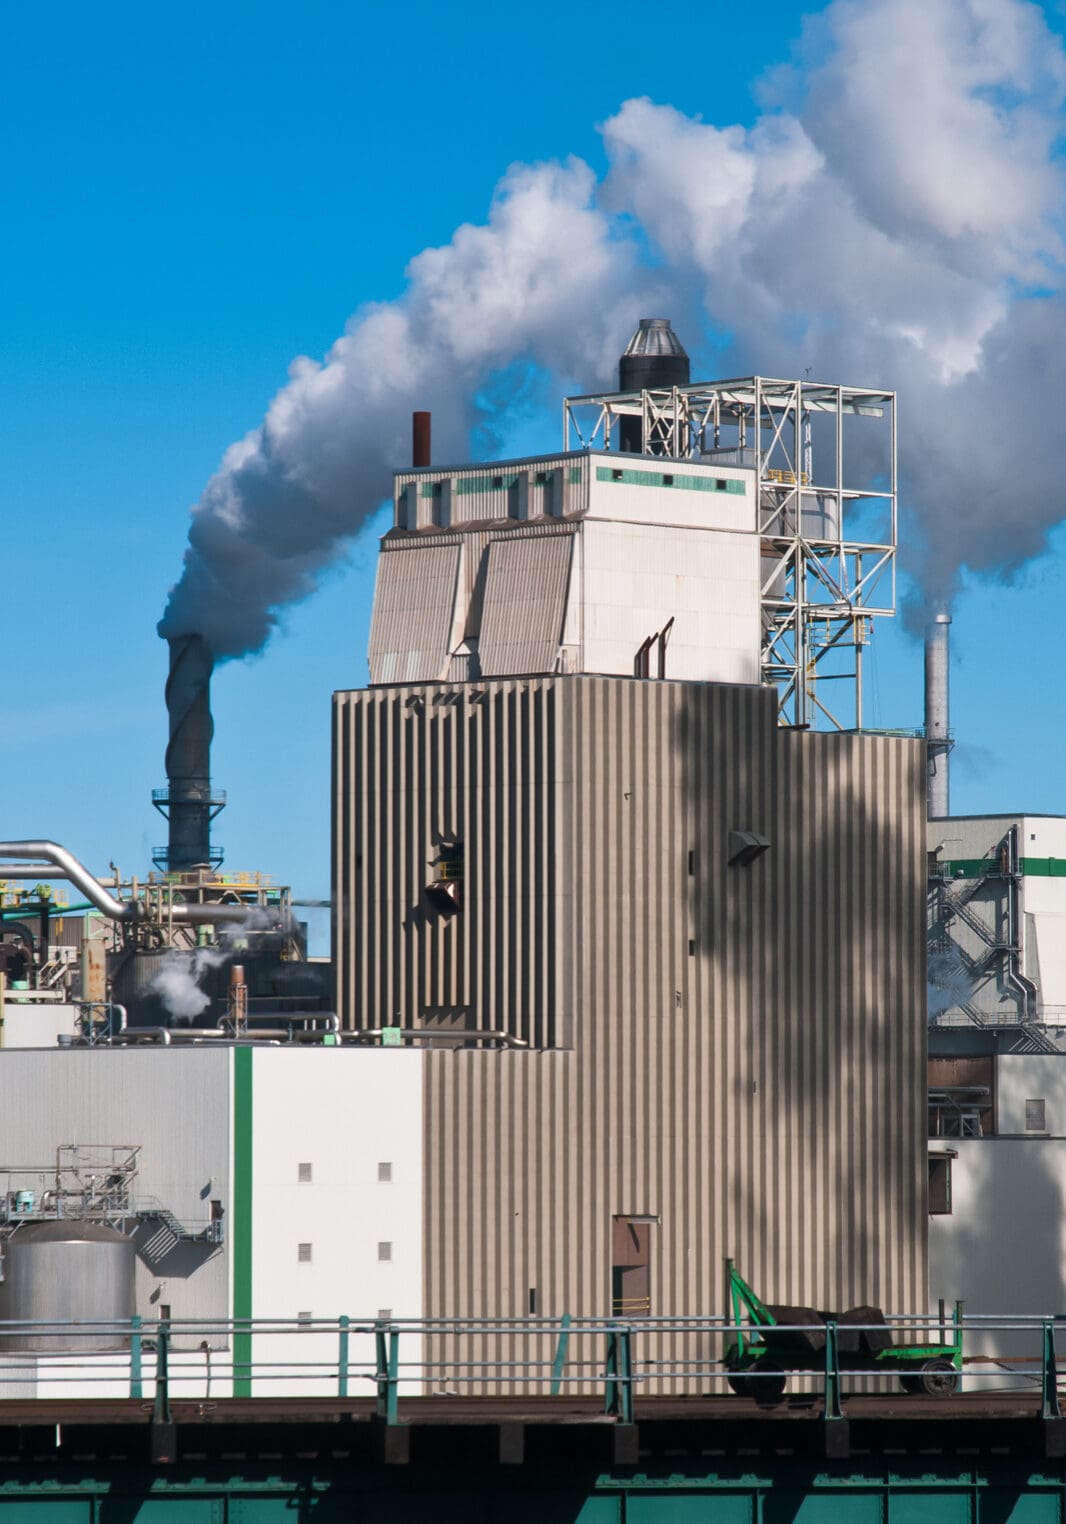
x: 388, y: 1359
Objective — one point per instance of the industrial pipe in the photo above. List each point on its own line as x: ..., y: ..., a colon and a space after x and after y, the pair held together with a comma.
x: 1020, y: 982
x: 50, y: 860
x: 938, y: 742
x: 421, y: 451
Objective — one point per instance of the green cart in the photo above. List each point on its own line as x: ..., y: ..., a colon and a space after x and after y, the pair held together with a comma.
x: 770, y: 1341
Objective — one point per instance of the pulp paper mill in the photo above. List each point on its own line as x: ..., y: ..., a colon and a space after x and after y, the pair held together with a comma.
x: 629, y: 929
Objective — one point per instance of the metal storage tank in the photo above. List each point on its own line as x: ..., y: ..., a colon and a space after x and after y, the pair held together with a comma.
x: 57, y: 1272
x: 131, y: 986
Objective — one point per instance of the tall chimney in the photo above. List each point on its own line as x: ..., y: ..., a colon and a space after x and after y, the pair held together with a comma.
x: 654, y: 360
x: 421, y: 452
x: 188, y: 801
x: 938, y: 742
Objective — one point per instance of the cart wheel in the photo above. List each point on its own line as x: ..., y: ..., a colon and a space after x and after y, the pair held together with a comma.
x: 768, y: 1382
x: 742, y: 1382
x: 938, y: 1378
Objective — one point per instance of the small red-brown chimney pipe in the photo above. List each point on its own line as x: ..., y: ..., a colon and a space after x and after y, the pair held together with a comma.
x: 420, y: 439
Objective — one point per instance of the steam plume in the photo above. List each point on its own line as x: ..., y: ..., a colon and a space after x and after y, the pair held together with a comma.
x: 890, y: 220
x: 178, y: 982
x: 181, y: 975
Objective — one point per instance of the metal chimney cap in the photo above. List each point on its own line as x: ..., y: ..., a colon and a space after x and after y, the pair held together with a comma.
x: 943, y: 617
x: 655, y: 337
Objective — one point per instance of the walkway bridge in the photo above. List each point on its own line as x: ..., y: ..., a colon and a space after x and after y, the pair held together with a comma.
x: 348, y: 1419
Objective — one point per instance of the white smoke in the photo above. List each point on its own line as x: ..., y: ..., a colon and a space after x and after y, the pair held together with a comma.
x: 543, y: 281
x: 892, y: 219
x: 178, y: 982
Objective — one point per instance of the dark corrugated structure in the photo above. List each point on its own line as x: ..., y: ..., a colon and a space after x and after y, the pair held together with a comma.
x: 736, y: 1052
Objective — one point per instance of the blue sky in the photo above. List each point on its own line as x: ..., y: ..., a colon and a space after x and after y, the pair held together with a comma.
x: 194, y: 195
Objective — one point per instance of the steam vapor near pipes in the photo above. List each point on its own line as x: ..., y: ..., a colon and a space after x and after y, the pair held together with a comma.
x: 891, y: 219
x: 179, y: 982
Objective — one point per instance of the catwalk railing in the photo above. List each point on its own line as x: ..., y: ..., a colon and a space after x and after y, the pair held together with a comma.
x: 617, y: 1360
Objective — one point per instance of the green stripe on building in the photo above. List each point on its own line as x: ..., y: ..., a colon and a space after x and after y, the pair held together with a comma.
x: 467, y: 484
x: 241, y: 1239
x: 670, y: 479
x: 1044, y: 867
x: 981, y: 867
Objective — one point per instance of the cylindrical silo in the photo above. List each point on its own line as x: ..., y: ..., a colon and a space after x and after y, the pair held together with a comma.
x: 60, y: 1272
x: 654, y: 360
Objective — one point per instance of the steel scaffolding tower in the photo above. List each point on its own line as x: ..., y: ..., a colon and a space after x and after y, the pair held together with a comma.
x: 826, y: 513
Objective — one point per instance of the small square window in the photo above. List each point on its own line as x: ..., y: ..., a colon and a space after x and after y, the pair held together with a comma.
x: 1036, y: 1116
x: 939, y: 1185
x: 668, y: 481
x: 617, y: 476
x: 384, y: 1251
x: 497, y: 481
x: 541, y: 478
x: 303, y: 1174
x: 303, y: 1254
x: 384, y: 1172
x: 720, y: 483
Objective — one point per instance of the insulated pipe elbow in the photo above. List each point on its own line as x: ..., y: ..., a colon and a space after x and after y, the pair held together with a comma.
x: 75, y: 873
x: 50, y: 860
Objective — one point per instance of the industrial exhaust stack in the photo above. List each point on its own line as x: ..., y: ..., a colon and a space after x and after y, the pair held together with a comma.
x: 188, y: 802
x: 654, y: 360
x: 938, y: 740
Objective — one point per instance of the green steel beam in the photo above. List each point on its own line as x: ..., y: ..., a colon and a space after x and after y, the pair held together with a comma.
x: 935, y: 1491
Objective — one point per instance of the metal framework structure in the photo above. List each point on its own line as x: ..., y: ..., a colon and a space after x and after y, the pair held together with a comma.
x: 827, y: 517
x: 92, y: 1182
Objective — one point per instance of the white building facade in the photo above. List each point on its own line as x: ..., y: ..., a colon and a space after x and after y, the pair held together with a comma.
x: 291, y: 1183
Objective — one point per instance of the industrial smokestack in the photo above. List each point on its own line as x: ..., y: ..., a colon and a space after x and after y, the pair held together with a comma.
x: 187, y: 801
x: 654, y: 360
x: 421, y: 451
x: 938, y: 742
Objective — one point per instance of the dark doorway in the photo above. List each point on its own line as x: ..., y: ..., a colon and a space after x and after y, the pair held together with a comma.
x: 631, y: 1267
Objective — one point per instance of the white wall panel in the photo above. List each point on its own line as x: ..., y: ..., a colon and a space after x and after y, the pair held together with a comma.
x: 345, y: 1112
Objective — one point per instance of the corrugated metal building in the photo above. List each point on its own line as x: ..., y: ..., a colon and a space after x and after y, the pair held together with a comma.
x: 729, y: 1055
x: 565, y: 815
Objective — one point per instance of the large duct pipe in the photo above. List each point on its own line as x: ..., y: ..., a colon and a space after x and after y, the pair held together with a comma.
x: 654, y: 360
x: 189, y: 802
x: 50, y: 860
x: 938, y: 742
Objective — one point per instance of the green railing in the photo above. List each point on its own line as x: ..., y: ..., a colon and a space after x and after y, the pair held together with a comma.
x: 617, y: 1360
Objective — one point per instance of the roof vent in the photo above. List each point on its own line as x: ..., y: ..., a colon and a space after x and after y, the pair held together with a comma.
x: 654, y: 360
x: 655, y: 337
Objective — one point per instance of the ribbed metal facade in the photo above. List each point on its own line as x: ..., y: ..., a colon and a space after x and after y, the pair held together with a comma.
x: 412, y: 633
x: 525, y: 604
x: 737, y: 1052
